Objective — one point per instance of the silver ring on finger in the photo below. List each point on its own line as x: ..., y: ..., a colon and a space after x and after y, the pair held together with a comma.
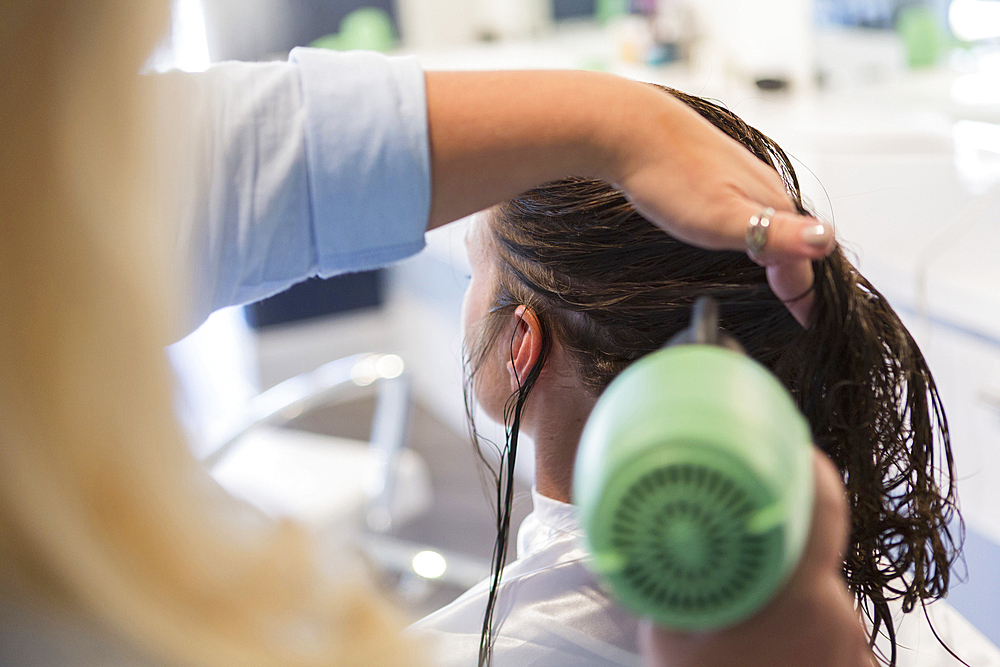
x: 757, y: 228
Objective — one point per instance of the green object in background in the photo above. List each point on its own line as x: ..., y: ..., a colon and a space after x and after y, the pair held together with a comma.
x: 694, y: 483
x: 924, y: 38
x: 595, y: 65
x: 331, y: 41
x: 368, y: 29
x: 606, y: 10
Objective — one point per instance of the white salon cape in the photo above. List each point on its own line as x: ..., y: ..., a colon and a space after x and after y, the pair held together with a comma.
x: 551, y: 612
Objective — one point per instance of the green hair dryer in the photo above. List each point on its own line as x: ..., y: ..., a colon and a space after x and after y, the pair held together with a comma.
x: 694, y: 482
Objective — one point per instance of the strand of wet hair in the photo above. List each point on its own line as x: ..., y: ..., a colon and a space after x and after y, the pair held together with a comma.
x: 513, y: 409
x: 902, y: 497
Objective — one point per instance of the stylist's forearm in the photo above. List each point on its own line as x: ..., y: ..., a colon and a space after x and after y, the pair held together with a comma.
x: 494, y: 135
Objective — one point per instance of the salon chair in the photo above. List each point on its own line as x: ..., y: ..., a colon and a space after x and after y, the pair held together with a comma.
x: 328, y: 482
x: 344, y: 489
x: 357, y: 489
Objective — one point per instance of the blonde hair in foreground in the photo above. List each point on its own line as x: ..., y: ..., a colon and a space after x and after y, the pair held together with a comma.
x: 104, y: 514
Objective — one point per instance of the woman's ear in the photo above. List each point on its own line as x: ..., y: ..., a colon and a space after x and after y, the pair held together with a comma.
x: 525, y: 345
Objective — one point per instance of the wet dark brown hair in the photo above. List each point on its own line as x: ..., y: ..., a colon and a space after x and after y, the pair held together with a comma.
x: 611, y: 288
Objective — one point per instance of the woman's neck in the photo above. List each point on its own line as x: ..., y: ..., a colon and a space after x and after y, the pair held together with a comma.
x: 554, y: 458
x: 554, y: 419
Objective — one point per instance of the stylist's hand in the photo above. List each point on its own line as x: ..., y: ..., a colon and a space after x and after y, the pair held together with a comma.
x: 494, y: 135
x: 702, y: 187
x: 812, y: 622
x: 716, y: 187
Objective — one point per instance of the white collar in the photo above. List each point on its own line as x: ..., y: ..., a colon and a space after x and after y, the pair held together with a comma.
x: 550, y: 520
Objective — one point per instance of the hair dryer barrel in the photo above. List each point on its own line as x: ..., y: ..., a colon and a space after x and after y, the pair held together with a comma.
x: 694, y: 482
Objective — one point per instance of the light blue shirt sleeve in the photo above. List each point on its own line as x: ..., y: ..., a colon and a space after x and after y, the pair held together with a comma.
x: 287, y: 170
x: 367, y: 157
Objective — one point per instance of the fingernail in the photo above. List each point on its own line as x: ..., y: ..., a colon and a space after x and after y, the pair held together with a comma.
x: 817, y: 234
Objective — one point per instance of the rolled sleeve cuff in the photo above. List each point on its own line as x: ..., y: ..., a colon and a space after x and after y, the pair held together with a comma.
x: 367, y: 157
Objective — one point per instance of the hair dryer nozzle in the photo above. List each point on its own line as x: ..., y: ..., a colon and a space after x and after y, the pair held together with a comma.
x: 704, y: 328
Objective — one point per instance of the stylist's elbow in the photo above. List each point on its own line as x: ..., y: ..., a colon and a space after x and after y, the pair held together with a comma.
x: 812, y: 622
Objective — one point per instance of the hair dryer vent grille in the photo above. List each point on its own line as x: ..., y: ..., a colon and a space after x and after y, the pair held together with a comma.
x: 682, y: 535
